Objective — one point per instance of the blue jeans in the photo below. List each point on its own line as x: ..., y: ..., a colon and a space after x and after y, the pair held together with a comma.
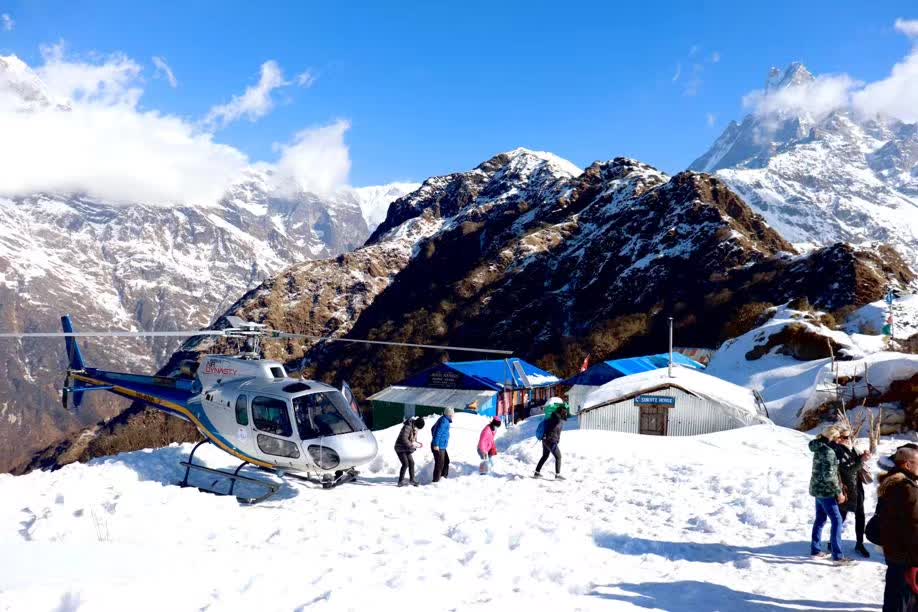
x: 827, y: 508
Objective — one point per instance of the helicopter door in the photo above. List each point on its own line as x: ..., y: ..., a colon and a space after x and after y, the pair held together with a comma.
x: 244, y: 431
x: 271, y: 418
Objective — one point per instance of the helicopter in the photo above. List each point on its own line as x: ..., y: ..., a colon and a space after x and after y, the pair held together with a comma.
x: 245, y: 405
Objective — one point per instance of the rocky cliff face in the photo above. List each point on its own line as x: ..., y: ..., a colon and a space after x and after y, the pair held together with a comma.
x: 822, y: 178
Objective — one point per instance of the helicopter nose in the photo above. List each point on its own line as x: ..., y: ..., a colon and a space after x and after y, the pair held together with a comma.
x: 351, y: 450
x: 361, y: 447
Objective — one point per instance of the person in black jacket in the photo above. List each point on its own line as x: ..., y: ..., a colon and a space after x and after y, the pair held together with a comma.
x: 850, y: 463
x: 405, y: 445
x: 550, y: 442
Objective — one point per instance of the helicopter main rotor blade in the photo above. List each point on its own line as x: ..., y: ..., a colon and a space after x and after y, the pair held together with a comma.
x: 114, y: 334
x: 292, y: 336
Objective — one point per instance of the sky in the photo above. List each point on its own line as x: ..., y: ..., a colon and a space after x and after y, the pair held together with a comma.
x: 364, y: 93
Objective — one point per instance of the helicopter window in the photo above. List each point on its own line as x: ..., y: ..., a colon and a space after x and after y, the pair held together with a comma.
x: 242, y: 413
x: 276, y: 446
x: 270, y: 414
x: 277, y: 372
x: 323, y: 414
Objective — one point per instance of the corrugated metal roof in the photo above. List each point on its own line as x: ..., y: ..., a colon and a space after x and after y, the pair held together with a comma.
x: 603, y: 372
x: 457, y: 398
x: 507, y: 372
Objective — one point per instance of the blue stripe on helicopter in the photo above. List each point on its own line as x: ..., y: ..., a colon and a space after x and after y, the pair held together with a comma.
x: 167, y: 396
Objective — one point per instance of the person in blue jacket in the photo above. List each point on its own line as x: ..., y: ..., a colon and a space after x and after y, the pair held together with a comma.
x: 438, y: 444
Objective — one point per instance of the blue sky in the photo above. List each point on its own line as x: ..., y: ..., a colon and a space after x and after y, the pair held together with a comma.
x: 430, y: 88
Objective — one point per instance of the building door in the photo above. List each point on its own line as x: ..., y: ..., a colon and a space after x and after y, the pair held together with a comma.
x: 654, y: 420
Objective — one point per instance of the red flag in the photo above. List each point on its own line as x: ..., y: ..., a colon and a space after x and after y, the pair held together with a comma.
x: 586, y: 364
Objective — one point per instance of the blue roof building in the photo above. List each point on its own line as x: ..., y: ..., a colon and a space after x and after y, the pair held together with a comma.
x: 603, y: 372
x: 504, y: 387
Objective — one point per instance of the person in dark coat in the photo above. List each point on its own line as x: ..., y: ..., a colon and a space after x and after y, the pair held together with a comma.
x: 405, y: 445
x: 440, y: 441
x: 898, y: 494
x: 850, y: 464
x: 550, y: 441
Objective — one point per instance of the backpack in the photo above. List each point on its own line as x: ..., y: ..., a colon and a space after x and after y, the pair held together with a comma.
x: 540, y: 430
x: 873, y: 529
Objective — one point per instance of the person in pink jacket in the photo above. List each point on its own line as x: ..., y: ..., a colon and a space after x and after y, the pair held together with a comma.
x: 486, y: 446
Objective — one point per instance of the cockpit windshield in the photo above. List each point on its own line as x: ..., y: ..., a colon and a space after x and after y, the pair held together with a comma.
x: 324, y: 414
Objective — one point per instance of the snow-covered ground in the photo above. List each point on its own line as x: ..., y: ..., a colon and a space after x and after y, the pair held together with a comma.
x: 872, y: 317
x: 787, y: 384
x: 717, y: 522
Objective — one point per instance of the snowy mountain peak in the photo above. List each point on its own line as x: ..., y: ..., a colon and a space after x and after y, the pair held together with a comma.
x: 521, y: 155
x: 821, y: 178
x: 519, y: 174
x: 21, y: 89
x: 795, y: 74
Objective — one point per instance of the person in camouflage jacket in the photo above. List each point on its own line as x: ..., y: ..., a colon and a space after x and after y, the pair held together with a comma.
x: 825, y: 486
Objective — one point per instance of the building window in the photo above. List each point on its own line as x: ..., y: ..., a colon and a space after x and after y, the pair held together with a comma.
x: 242, y: 412
x: 270, y: 414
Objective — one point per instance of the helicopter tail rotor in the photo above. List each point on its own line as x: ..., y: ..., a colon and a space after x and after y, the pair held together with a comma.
x: 74, y: 356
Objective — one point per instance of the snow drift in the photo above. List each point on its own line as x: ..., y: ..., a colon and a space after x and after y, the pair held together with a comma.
x: 702, y: 523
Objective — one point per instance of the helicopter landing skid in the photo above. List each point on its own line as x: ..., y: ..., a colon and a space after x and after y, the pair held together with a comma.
x: 233, y: 477
x: 328, y: 482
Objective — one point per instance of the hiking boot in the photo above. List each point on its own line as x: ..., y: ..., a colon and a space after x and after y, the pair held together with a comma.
x: 843, y: 561
x: 402, y: 483
x: 859, y: 549
x: 820, y: 555
x: 559, y: 477
x: 536, y: 475
x: 414, y: 483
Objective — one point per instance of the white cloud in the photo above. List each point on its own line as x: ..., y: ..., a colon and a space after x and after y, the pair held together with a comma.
x: 102, y: 144
x: 163, y: 68
x: 895, y: 96
x: 909, y: 27
x: 817, y: 98
x: 693, y: 84
x: 7, y: 23
x: 305, y: 79
x: 692, y: 79
x: 255, y: 103
x: 113, y: 81
x: 317, y: 160
x: 711, y: 119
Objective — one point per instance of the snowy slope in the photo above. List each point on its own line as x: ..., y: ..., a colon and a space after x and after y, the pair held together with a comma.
x: 820, y: 179
x: 871, y: 317
x: 790, y: 385
x: 717, y: 522
x: 374, y: 201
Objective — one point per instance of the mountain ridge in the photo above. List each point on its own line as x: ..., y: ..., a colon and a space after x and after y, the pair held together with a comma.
x: 522, y: 254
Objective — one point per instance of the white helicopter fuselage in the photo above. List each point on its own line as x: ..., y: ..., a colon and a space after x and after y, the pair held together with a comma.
x: 294, y: 425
